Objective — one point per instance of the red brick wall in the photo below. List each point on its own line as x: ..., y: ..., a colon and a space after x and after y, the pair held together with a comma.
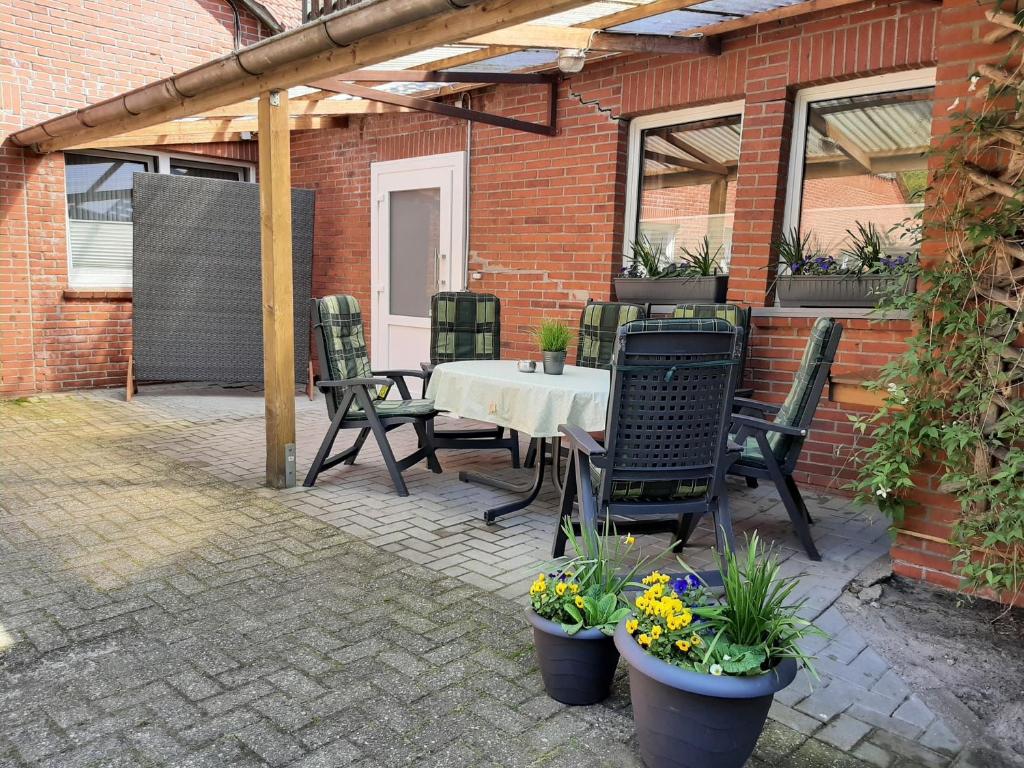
x: 54, y: 57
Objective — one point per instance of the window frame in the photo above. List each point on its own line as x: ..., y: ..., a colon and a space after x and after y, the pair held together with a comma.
x: 633, y: 162
x: 156, y: 162
x: 864, y: 86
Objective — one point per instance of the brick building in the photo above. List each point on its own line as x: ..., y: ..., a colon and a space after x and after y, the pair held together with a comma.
x: 548, y: 218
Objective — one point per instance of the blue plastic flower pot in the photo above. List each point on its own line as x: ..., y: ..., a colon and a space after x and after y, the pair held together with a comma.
x: 577, y: 669
x: 686, y: 719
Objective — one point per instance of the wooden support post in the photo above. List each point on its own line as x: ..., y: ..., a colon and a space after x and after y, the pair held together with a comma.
x: 278, y: 313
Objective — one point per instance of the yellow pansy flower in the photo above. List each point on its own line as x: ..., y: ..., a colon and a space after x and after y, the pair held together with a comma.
x: 641, y: 603
x: 574, y: 588
x: 644, y: 640
x: 696, y: 641
x: 674, y: 623
x: 579, y: 601
x: 631, y: 625
x: 560, y: 588
x: 686, y: 617
x: 682, y: 645
x: 656, y: 631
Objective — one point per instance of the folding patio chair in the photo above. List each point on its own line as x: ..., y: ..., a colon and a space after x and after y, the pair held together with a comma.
x: 738, y: 316
x: 771, y: 449
x: 599, y: 324
x: 356, y: 395
x: 666, y: 451
x: 467, y: 326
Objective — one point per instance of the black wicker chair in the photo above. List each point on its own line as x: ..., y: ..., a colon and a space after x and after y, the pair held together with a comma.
x: 356, y: 395
x: 738, y: 316
x: 771, y: 449
x: 666, y: 448
x: 467, y: 326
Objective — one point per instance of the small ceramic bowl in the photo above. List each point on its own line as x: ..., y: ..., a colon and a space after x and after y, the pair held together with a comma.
x: 527, y: 366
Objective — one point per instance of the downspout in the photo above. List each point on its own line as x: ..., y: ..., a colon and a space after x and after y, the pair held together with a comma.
x: 336, y: 30
x: 237, y: 41
x: 465, y: 102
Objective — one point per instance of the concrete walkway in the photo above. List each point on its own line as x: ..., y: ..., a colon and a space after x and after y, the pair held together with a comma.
x: 157, y: 607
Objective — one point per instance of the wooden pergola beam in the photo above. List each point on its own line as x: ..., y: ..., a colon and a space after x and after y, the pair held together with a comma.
x: 768, y: 17
x: 450, y: 26
x: 277, y: 276
x: 539, y: 36
x: 843, y: 143
x: 306, y: 108
x: 202, y: 132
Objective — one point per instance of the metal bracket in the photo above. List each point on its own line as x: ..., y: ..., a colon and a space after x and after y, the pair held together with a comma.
x: 338, y: 85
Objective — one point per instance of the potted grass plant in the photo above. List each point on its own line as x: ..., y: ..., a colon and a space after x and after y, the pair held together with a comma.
x: 553, y: 338
x: 575, y: 606
x: 867, y: 269
x: 703, y: 670
x: 696, y: 277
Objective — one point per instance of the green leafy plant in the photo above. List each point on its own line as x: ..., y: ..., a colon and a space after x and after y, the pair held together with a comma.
x: 802, y: 255
x: 954, y: 402
x: 647, y: 259
x: 586, y: 591
x: 553, y: 336
x: 746, y: 631
x: 701, y: 260
x: 866, y: 248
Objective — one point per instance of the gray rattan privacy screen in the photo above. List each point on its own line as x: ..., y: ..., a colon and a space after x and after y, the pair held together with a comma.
x: 196, y: 279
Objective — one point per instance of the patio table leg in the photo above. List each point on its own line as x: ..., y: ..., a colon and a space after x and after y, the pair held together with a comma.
x: 531, y: 489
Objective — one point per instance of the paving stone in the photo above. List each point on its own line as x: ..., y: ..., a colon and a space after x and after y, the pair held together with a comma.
x: 164, y: 607
x: 843, y: 732
x: 938, y: 737
x: 873, y: 754
x: 914, y: 711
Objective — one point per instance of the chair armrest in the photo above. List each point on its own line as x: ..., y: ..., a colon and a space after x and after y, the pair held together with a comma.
x: 428, y: 368
x: 745, y: 403
x: 399, y: 374
x: 751, y: 423
x: 375, y: 382
x: 580, y: 439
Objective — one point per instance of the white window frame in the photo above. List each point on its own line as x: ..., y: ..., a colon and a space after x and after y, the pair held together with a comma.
x: 865, y: 86
x: 634, y: 162
x: 161, y: 163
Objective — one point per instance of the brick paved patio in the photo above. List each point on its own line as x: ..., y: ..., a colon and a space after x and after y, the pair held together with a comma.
x: 158, y: 607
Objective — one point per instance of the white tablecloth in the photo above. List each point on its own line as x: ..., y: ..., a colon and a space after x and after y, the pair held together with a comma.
x: 495, y: 391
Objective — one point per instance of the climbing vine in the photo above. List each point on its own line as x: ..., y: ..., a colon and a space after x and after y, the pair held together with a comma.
x: 954, y: 402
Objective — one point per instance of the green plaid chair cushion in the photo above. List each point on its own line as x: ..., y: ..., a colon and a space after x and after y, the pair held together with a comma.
x: 650, y: 490
x: 599, y: 326
x: 795, y: 406
x: 395, y: 408
x: 464, y: 326
x: 344, y: 341
x: 728, y: 312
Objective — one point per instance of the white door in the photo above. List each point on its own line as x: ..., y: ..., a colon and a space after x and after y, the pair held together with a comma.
x: 418, y: 248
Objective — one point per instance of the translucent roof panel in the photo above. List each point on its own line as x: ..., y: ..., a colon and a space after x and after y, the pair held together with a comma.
x: 701, y: 15
x: 420, y: 58
x: 510, y: 62
x: 589, y: 12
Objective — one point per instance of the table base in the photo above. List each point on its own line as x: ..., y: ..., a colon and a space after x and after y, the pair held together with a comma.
x: 531, y: 488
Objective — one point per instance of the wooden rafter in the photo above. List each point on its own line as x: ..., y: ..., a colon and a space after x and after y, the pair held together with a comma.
x: 442, y: 28
x: 201, y: 132
x: 843, y: 143
x: 539, y: 36
x: 307, y: 108
x: 667, y: 135
x: 769, y: 17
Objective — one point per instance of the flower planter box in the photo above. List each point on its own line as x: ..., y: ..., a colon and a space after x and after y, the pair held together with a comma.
x: 686, y: 719
x: 577, y: 669
x: 672, y: 290
x: 837, y: 290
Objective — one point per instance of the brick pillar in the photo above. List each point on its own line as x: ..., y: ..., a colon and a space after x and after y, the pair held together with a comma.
x: 761, y: 183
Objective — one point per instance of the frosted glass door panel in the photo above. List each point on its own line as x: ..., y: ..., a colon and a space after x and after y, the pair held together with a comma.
x: 415, y: 241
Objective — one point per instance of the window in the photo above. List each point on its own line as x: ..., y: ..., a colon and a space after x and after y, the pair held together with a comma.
x: 208, y: 170
x: 860, y: 162
x: 98, y: 186
x: 682, y: 173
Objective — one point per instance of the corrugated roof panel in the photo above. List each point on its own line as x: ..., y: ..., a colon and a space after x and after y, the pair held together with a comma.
x: 670, y: 23
x: 744, y: 7
x: 418, y: 59
x: 585, y: 13
x: 875, y: 128
x: 510, y: 62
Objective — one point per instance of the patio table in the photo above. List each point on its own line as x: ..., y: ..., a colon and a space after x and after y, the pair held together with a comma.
x: 497, y: 392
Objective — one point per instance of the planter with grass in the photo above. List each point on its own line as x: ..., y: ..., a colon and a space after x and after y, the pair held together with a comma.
x: 865, y: 271
x: 694, y: 279
x: 553, y: 338
x: 574, y: 610
x: 703, y: 671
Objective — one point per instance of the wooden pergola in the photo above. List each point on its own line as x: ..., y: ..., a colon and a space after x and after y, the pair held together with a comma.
x: 335, y: 65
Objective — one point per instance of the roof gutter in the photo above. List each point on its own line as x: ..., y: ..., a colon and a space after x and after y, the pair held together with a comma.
x: 336, y: 30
